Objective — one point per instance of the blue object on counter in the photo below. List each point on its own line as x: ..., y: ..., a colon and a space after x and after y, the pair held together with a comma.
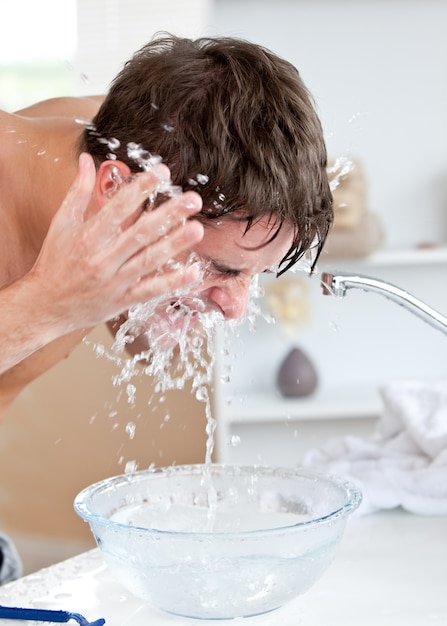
x: 46, y: 615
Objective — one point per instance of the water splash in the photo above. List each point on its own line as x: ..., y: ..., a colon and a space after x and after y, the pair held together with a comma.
x: 341, y: 167
x: 181, y: 347
x: 141, y: 156
x: 178, y: 329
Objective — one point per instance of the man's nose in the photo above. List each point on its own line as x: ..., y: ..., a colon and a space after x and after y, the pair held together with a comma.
x: 231, y: 299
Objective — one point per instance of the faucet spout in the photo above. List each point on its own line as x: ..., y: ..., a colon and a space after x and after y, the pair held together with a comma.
x: 338, y: 285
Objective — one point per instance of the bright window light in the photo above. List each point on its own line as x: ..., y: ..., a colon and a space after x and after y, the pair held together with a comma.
x: 37, y: 51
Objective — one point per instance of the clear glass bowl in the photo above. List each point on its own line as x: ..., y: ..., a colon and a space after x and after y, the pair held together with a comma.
x: 217, y: 542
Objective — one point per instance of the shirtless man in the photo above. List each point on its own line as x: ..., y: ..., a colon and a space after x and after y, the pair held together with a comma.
x: 238, y: 131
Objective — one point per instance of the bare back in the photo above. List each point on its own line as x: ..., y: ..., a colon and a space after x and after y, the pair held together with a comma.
x: 38, y: 163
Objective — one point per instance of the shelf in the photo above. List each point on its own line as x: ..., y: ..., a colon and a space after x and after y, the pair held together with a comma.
x: 338, y: 398
x: 394, y: 258
x: 341, y: 402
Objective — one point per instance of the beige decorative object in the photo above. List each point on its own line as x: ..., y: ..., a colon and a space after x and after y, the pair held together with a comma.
x: 356, y: 232
x: 288, y: 300
x: 361, y: 241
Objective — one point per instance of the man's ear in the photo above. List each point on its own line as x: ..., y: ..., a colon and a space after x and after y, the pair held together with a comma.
x: 110, y: 176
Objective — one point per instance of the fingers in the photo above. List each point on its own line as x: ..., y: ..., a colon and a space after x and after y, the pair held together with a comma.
x: 164, y: 233
x: 162, y: 284
x: 141, y: 260
x: 152, y: 259
x: 124, y: 249
x: 127, y: 203
x: 80, y: 192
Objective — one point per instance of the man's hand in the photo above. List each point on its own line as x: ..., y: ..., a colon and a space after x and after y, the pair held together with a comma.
x: 90, y: 270
x: 94, y: 266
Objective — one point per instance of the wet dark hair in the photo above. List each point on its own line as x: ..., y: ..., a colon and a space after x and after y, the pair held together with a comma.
x: 233, y: 121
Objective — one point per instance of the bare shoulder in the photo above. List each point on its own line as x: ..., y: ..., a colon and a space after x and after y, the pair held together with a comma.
x: 85, y: 107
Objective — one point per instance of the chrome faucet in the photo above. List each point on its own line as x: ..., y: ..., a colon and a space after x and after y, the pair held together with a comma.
x: 338, y: 285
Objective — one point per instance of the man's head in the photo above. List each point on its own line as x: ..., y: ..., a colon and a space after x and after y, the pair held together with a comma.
x: 232, y: 121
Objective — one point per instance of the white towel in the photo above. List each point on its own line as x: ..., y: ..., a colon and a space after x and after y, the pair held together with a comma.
x: 406, y: 464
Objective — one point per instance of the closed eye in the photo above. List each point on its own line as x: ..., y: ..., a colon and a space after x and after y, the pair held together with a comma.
x: 234, y: 273
x: 227, y: 271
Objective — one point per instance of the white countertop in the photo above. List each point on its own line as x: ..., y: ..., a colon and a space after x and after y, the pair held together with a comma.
x: 390, y: 570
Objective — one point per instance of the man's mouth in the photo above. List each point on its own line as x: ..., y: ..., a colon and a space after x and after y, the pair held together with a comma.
x: 181, y: 316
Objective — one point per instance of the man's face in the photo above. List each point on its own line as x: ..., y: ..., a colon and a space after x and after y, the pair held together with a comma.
x: 229, y: 258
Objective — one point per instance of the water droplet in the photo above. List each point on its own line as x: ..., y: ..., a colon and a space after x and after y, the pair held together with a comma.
x: 130, y: 467
x: 83, y: 122
x: 114, y: 143
x: 235, y: 440
x: 341, y: 167
x: 131, y: 391
x: 130, y: 429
